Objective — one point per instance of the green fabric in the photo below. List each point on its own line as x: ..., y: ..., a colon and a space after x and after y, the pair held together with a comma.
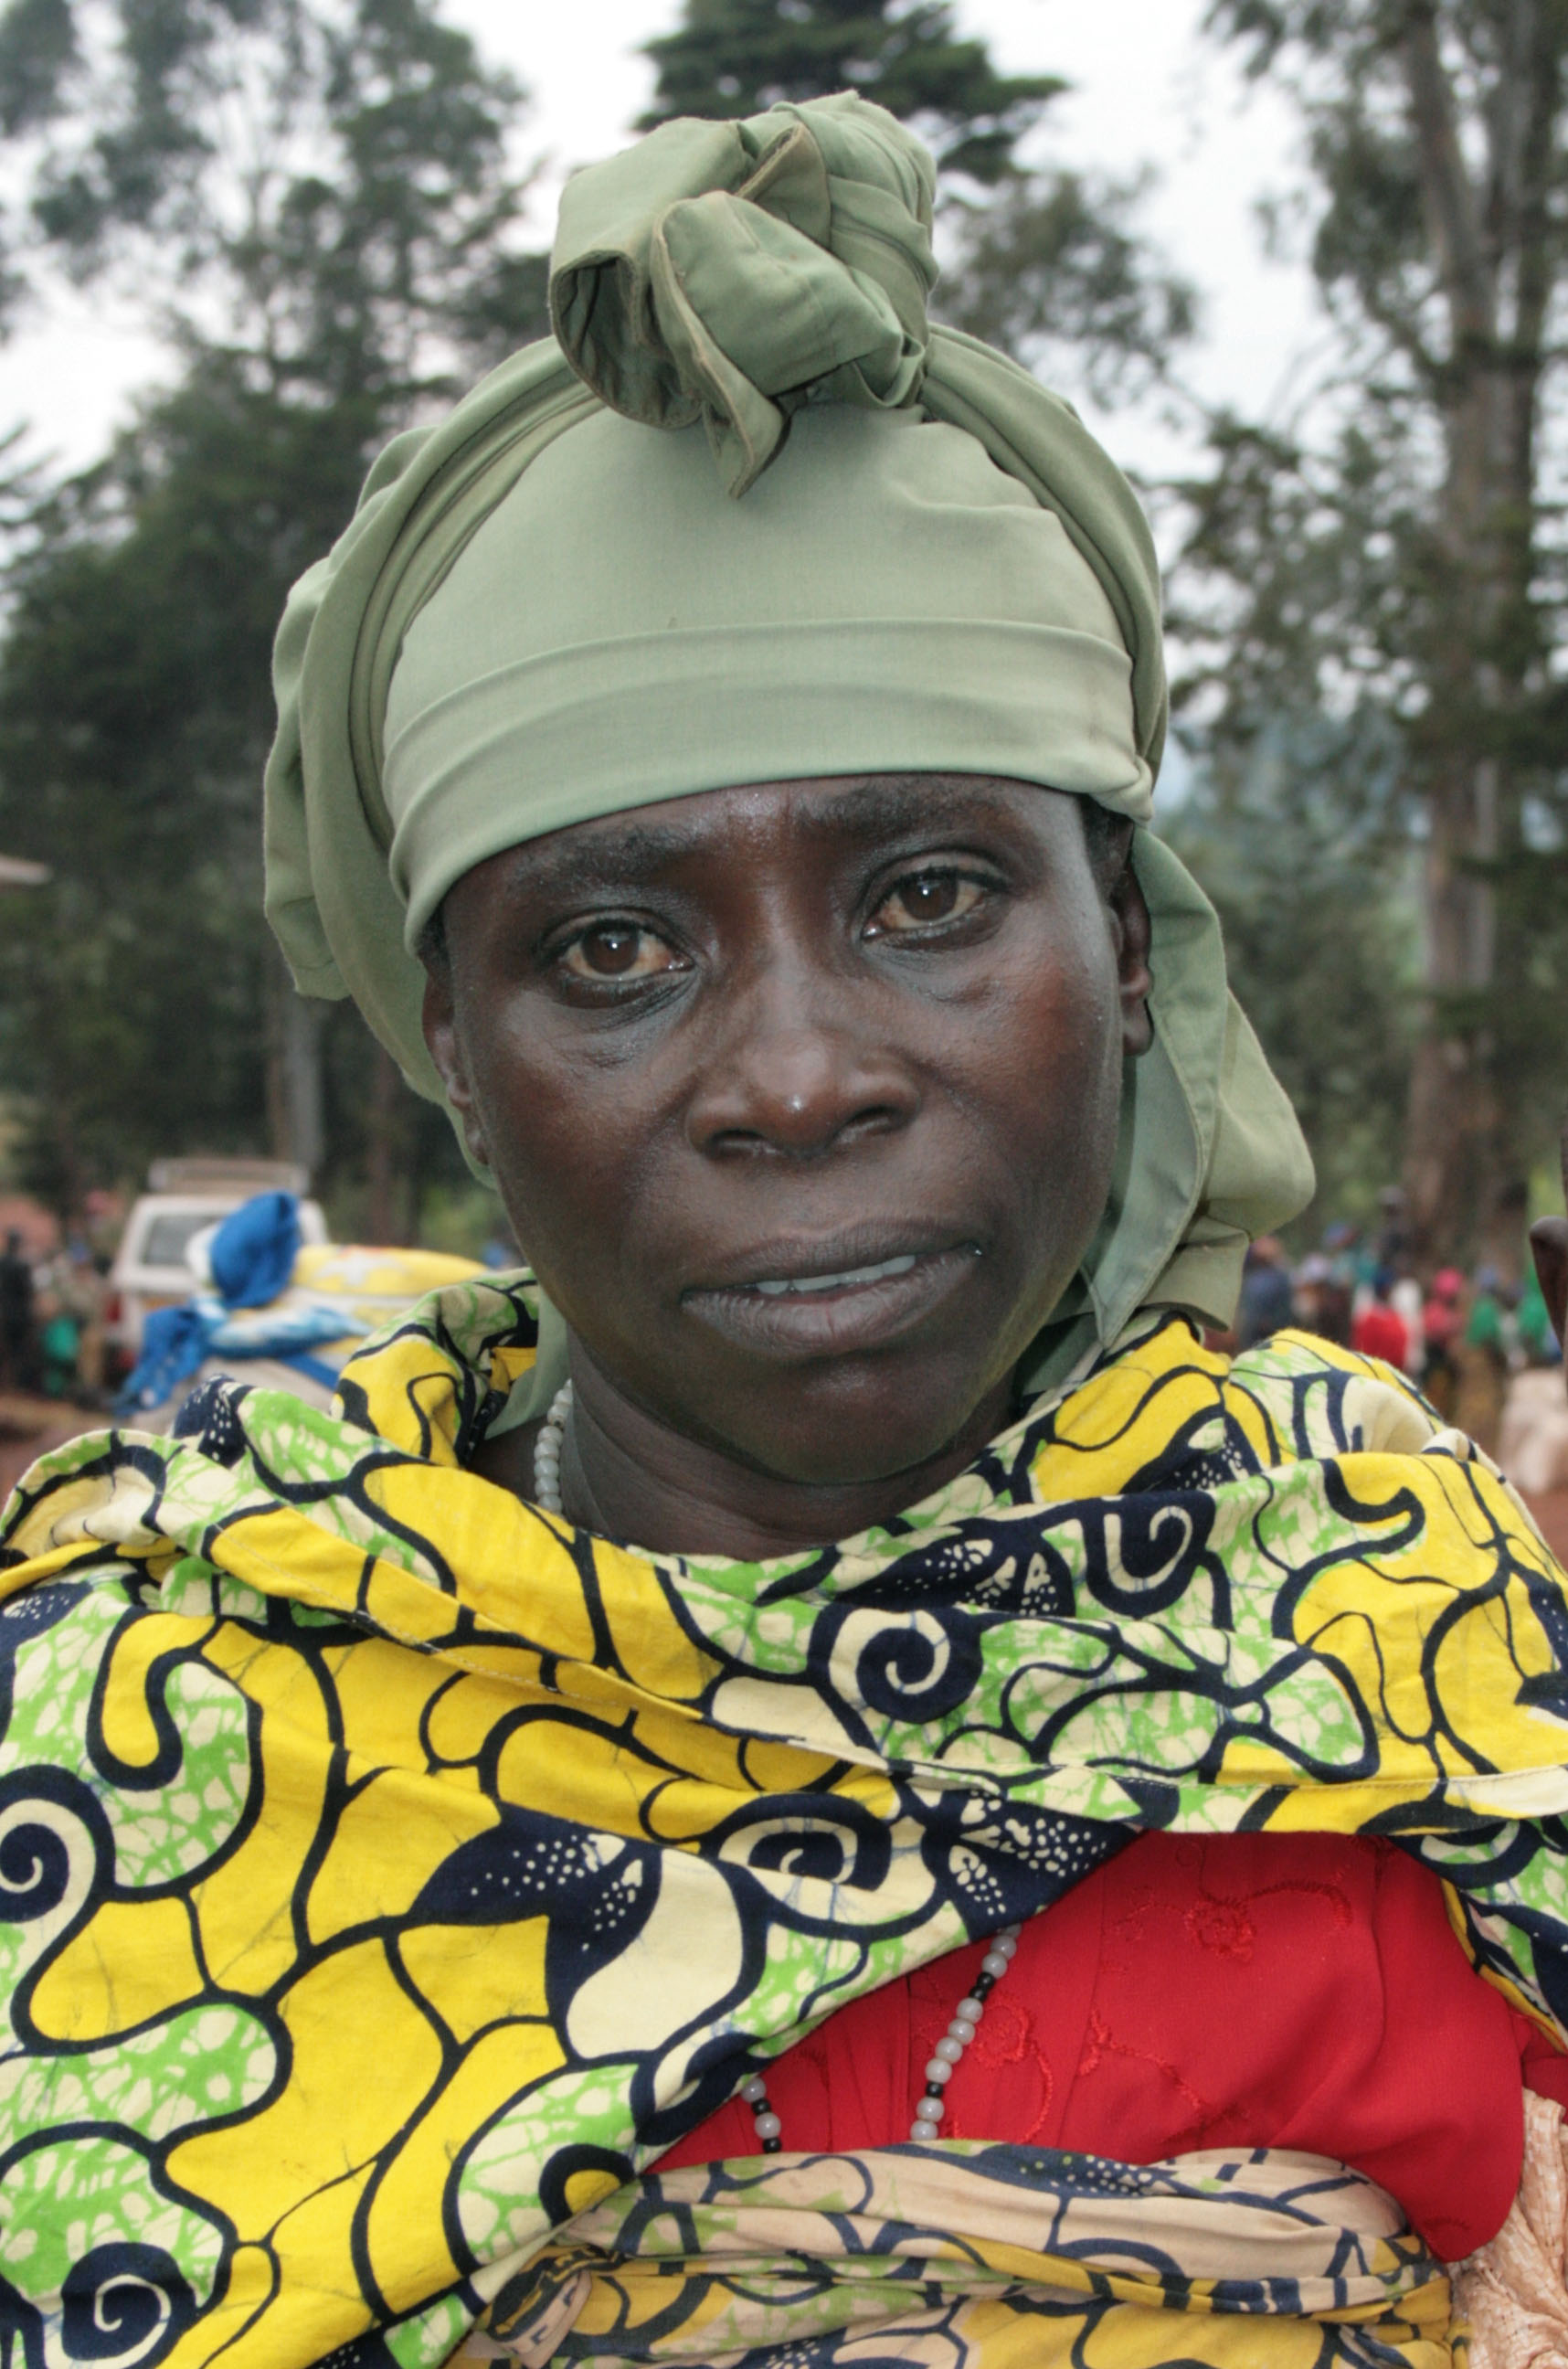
x: 1484, y: 1330
x: 620, y: 631
x: 729, y: 272
x: 544, y: 610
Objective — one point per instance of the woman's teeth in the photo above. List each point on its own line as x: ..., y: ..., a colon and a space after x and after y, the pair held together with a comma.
x: 851, y: 1276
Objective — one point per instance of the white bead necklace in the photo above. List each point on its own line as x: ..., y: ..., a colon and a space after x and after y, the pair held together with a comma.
x: 944, y: 2061
x: 548, y: 1450
x: 947, y: 2055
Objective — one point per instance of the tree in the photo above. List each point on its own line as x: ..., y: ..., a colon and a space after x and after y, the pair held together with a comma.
x: 1402, y: 548
x: 730, y: 57
x: 327, y: 185
x: 343, y: 256
x: 1309, y: 876
x: 1056, y: 269
x: 1049, y: 265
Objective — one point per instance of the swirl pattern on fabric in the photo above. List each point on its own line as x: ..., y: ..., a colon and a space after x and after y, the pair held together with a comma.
x: 967, y: 2256
x: 389, y: 1871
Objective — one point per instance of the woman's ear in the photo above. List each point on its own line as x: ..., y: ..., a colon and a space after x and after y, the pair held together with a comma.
x: 1134, y: 930
x: 439, y: 1019
x: 1549, y: 1247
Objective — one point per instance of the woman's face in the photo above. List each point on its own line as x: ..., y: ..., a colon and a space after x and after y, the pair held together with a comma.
x: 801, y: 1098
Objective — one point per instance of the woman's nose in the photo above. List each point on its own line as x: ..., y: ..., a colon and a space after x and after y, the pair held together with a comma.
x: 798, y: 1074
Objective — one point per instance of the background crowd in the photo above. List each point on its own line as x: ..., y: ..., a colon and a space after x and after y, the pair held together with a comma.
x: 1461, y: 1336
x: 53, y: 1307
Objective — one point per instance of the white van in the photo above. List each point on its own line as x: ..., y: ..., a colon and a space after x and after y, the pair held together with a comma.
x: 183, y: 1197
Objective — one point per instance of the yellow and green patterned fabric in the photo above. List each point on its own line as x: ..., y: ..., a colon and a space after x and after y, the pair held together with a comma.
x: 965, y: 2256
x: 388, y: 1871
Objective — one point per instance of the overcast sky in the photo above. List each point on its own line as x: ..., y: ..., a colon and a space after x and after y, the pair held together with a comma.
x: 1147, y: 88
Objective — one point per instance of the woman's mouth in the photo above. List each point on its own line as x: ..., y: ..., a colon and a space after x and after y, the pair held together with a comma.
x: 850, y: 1279
x: 837, y: 1311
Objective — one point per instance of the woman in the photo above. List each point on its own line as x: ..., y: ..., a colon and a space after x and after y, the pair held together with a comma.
x: 834, y: 1597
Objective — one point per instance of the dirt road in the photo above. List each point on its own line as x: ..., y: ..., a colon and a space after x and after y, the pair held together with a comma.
x: 28, y: 1426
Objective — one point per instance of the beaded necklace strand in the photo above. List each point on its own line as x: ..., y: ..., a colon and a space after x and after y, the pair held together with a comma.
x: 945, y: 2056
x: 547, y: 1451
x: 948, y: 2053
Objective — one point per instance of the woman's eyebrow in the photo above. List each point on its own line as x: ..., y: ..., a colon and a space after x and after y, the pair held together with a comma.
x: 890, y: 806
x: 601, y: 859
x: 605, y: 857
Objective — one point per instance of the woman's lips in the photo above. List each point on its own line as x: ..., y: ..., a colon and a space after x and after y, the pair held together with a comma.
x: 834, y: 1314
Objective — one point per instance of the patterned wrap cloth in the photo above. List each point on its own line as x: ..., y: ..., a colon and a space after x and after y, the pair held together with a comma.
x: 390, y: 1871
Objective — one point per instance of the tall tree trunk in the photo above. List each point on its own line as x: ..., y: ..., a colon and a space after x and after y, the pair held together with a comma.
x: 1454, y: 1150
x: 388, y: 1216
x: 1462, y: 1179
x: 1456, y: 1139
x: 295, y: 1100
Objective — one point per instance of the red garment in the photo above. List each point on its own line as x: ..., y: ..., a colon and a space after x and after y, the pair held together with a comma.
x: 1440, y: 1324
x: 1380, y: 1332
x: 1247, y: 1990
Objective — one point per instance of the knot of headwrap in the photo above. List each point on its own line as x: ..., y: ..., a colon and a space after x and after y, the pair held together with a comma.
x: 730, y: 272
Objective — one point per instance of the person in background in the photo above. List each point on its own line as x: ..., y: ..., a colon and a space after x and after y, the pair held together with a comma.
x: 1442, y: 1323
x: 59, y: 1339
x: 89, y: 1297
x: 1266, y: 1299
x: 1405, y: 1298
x: 1379, y: 1330
x: 1392, y: 1246
x: 1337, y: 1287
x: 1548, y: 1248
x: 1311, y: 1277
x: 1538, y: 1343
x: 1482, y: 1358
x: 1532, y: 1440
x: 18, y: 1343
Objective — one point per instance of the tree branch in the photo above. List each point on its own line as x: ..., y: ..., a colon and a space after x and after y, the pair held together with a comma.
x: 1469, y: 284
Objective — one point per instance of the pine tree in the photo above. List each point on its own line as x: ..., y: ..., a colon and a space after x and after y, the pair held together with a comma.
x: 736, y: 57
x: 1052, y: 266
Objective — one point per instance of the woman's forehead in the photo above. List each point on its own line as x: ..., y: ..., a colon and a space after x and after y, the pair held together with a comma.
x: 864, y: 811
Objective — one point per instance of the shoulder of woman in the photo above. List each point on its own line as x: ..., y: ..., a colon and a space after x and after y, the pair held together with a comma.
x: 1332, y: 1401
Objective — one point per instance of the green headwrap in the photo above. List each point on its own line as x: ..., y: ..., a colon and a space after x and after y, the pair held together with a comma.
x: 908, y: 557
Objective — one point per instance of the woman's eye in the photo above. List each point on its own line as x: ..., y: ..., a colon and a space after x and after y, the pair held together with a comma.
x: 924, y: 900
x: 619, y: 950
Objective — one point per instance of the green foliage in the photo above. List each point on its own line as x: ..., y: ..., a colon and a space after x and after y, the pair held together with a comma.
x: 360, y: 259
x: 38, y: 54
x: 1055, y: 270
x: 463, y: 1219
x: 329, y: 185
x: 134, y: 721
x: 1051, y: 266
x: 736, y: 57
x: 1400, y: 548
x: 1297, y: 841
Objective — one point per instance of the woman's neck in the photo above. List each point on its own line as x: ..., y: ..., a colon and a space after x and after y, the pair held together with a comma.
x: 626, y: 1474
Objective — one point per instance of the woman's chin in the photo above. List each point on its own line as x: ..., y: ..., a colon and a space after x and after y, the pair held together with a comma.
x: 858, y: 1440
